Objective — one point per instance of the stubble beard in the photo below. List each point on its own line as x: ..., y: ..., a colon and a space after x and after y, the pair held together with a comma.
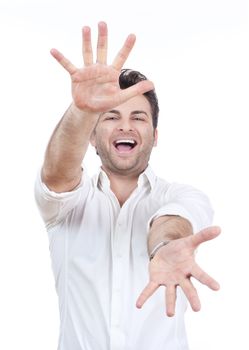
x: 135, y: 164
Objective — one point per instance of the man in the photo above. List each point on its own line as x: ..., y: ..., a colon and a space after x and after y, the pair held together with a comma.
x: 106, y: 232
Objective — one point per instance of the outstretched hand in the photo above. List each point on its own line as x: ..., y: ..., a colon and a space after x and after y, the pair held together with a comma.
x: 174, y: 265
x: 95, y: 87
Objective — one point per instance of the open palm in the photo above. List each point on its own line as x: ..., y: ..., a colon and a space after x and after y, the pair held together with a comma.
x: 174, y: 265
x: 95, y: 87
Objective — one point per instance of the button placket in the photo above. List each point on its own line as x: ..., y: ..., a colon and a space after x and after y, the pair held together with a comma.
x: 119, y: 254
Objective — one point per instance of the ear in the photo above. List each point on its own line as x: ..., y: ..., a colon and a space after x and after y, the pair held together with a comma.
x: 155, y: 137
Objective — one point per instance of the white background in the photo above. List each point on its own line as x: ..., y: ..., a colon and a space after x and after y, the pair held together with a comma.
x: 196, y: 53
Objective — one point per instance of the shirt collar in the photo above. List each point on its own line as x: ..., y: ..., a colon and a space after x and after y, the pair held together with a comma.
x: 147, y: 177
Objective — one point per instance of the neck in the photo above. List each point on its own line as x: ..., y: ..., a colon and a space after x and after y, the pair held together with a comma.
x: 122, y: 185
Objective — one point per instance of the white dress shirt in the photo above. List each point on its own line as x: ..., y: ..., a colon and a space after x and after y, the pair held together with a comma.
x: 100, y: 262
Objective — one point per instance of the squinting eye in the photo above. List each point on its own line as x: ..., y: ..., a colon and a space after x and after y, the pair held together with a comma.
x: 139, y: 118
x: 111, y: 118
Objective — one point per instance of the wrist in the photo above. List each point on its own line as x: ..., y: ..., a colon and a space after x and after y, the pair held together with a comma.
x: 168, y: 228
x: 81, y: 113
x: 157, y: 247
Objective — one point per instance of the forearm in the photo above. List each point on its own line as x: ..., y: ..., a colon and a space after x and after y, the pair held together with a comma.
x: 66, y: 149
x: 168, y: 227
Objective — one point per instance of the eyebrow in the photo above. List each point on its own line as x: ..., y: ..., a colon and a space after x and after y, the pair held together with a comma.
x: 115, y: 111
x: 139, y: 112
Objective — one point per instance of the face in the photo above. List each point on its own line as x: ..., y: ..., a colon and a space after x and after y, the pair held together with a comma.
x: 124, y: 137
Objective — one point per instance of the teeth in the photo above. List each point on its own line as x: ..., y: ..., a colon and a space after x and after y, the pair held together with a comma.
x: 125, y: 141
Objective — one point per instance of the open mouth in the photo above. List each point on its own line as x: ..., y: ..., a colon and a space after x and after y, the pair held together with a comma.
x: 124, y: 145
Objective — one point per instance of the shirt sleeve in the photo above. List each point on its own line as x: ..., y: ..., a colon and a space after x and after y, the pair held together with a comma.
x: 187, y: 202
x: 54, y: 206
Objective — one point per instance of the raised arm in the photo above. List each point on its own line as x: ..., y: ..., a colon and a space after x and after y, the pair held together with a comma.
x: 95, y: 89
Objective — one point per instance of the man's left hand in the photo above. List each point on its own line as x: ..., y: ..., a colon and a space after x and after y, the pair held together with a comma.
x: 173, y: 265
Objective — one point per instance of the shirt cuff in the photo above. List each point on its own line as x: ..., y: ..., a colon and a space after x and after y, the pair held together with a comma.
x: 174, y: 209
x: 59, y: 195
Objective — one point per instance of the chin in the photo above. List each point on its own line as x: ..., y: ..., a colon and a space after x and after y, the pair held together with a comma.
x: 127, y: 167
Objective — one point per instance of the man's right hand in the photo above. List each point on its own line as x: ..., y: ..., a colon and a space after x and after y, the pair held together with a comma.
x: 95, y: 87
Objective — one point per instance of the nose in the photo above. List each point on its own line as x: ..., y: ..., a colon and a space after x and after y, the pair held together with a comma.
x: 124, y: 125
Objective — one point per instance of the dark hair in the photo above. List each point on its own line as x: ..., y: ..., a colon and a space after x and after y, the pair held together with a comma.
x: 129, y: 77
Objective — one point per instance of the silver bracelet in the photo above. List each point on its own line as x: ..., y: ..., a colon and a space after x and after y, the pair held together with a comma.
x: 157, y: 247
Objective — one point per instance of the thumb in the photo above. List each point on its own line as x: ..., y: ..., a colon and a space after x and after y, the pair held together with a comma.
x: 138, y: 89
x: 206, y: 235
